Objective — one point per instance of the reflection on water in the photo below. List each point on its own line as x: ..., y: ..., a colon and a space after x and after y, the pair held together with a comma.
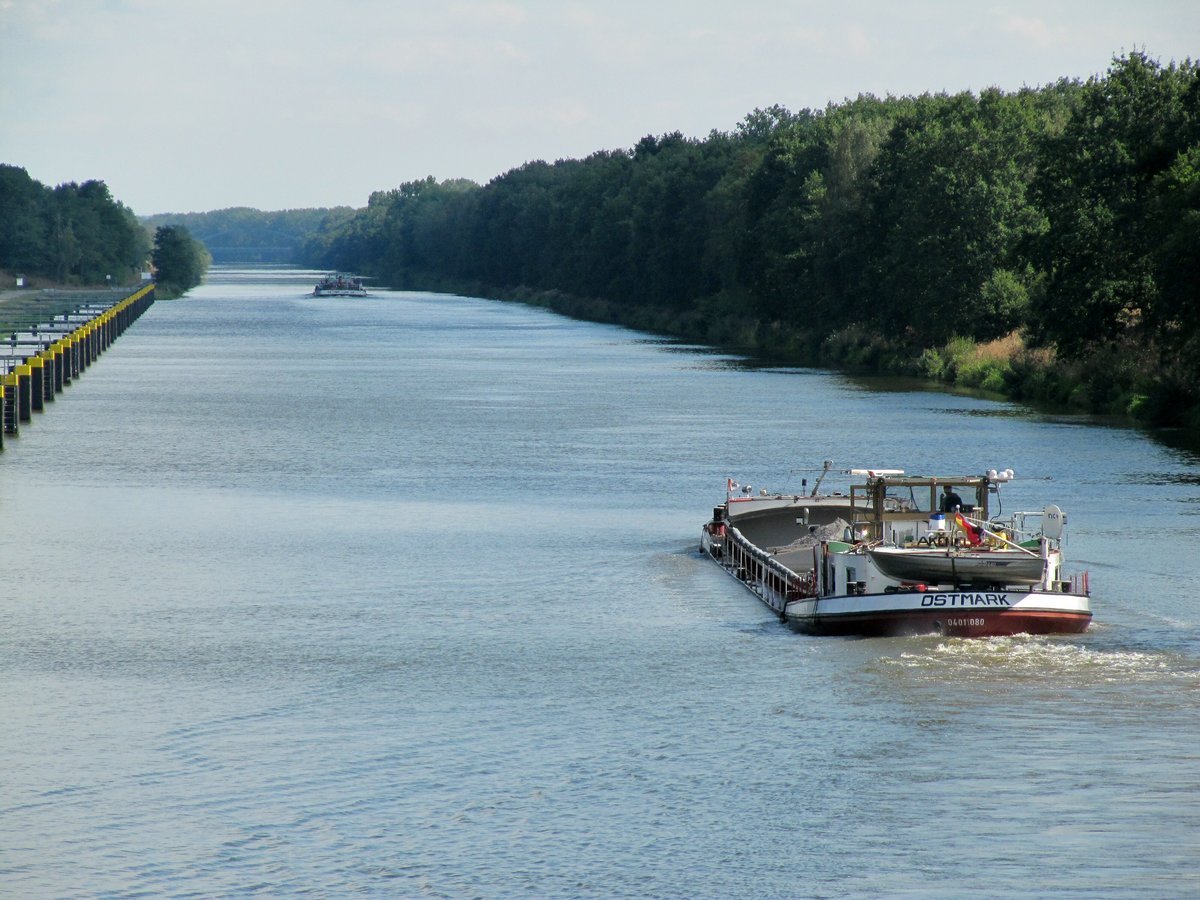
x: 1162, y: 478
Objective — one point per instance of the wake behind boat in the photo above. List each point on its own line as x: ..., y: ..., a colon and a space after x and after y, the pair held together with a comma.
x: 890, y: 556
x: 336, y: 284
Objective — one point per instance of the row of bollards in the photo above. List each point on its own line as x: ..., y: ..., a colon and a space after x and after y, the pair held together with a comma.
x: 40, y: 362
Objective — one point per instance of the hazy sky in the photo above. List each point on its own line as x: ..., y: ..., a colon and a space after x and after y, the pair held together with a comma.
x: 189, y: 105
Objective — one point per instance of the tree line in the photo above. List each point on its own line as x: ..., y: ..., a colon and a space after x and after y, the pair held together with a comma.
x: 243, y: 235
x: 78, y: 234
x: 73, y: 233
x: 1043, y: 242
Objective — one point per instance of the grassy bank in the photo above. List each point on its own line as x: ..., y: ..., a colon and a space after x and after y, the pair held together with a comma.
x: 1115, y: 380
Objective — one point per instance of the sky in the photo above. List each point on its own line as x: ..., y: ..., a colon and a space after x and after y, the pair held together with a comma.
x: 194, y: 105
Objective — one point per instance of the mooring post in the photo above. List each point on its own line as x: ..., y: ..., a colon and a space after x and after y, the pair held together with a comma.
x: 61, y: 376
x: 37, y: 383
x: 25, y: 392
x: 85, y: 346
x: 48, y: 367
x: 11, y: 423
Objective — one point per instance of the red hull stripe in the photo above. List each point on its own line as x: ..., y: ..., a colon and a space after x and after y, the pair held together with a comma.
x: 952, y: 623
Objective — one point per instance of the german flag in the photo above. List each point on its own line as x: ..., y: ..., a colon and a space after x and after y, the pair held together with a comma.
x: 973, y: 532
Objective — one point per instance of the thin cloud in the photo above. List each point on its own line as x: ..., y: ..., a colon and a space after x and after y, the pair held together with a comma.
x: 1036, y: 31
x: 858, y: 42
x: 490, y: 14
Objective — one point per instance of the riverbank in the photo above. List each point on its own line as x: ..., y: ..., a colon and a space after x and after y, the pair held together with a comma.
x: 1114, y: 381
x: 1117, y: 383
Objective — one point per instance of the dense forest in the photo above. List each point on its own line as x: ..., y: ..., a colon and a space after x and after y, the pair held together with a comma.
x: 70, y: 234
x: 1043, y: 243
x: 244, y: 235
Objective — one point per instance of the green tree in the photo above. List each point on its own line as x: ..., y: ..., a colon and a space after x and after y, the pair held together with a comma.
x: 1176, y: 222
x: 950, y: 208
x: 1120, y: 158
x: 72, y: 233
x: 24, y: 240
x: 180, y: 261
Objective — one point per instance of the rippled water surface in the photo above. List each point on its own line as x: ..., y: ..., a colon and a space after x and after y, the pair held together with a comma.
x: 400, y: 597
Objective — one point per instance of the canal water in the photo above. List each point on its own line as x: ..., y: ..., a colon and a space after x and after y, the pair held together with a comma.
x: 400, y: 596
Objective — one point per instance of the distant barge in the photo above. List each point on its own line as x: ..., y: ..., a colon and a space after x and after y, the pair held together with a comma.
x: 335, y: 284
